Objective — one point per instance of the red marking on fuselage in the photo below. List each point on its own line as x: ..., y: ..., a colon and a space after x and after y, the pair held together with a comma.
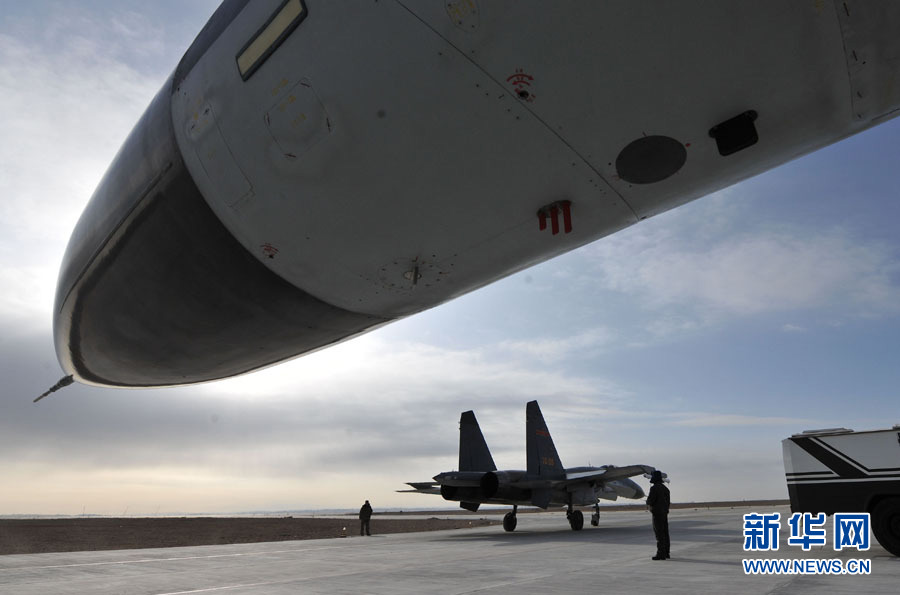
x: 520, y: 79
x: 551, y: 212
x: 269, y: 250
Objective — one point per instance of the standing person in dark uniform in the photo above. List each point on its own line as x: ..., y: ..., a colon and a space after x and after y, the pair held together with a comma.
x: 658, y: 504
x: 365, y: 513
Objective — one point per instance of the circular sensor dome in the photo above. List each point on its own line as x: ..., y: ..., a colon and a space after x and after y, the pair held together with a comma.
x: 650, y: 159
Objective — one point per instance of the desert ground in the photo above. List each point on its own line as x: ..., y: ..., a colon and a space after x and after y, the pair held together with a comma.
x: 31, y: 536
x: 42, y: 535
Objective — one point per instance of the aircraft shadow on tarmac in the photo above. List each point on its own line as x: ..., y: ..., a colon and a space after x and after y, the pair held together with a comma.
x: 682, y: 530
x: 687, y: 531
x: 524, y: 535
x: 694, y: 530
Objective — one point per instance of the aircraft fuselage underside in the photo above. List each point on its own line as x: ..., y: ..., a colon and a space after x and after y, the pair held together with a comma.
x: 291, y: 187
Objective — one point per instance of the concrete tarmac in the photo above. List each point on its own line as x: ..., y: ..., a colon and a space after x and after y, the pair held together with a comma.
x: 542, y: 556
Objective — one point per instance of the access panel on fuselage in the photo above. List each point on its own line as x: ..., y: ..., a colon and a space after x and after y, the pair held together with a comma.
x: 389, y: 173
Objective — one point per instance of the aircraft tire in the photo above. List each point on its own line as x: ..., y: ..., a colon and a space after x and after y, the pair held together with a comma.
x: 576, y: 520
x: 595, y: 520
x: 509, y: 522
x: 886, y: 524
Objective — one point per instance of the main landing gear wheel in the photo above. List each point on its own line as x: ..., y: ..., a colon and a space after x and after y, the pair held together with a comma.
x: 886, y: 524
x: 576, y: 520
x: 509, y: 521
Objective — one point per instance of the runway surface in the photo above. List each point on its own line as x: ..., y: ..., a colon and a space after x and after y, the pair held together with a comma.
x: 542, y: 556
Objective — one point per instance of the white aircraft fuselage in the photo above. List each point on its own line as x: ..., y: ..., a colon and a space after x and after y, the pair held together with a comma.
x: 315, y: 169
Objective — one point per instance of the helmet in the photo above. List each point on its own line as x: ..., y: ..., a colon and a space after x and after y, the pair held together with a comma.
x: 656, y: 477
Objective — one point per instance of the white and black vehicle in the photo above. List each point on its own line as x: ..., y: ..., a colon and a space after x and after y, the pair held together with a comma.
x: 839, y: 470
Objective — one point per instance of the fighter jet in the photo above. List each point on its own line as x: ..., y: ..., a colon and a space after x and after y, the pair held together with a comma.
x: 544, y: 483
x: 312, y: 170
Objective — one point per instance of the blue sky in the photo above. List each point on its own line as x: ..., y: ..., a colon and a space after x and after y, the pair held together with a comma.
x: 694, y: 341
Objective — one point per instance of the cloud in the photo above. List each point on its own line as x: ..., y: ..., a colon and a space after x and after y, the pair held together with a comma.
x: 755, y: 271
x: 363, y: 400
x: 357, y: 420
x: 366, y: 411
x: 68, y: 111
x: 73, y: 82
x: 713, y: 420
x: 548, y: 349
x: 68, y: 98
x: 27, y: 294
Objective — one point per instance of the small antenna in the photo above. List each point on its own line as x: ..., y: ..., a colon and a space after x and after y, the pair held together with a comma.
x: 63, y: 382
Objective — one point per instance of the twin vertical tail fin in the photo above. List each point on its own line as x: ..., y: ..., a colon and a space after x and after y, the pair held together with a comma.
x: 474, y: 454
x: 543, y: 461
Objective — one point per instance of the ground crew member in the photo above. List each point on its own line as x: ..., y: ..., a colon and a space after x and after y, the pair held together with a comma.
x: 658, y: 505
x: 365, y: 513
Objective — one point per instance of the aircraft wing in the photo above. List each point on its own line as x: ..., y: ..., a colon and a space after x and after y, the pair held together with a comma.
x: 422, y: 487
x: 609, y: 473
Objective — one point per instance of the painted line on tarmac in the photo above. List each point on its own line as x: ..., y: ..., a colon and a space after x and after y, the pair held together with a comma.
x: 209, y: 590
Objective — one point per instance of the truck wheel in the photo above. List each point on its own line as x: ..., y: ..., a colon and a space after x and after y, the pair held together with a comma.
x: 886, y: 524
